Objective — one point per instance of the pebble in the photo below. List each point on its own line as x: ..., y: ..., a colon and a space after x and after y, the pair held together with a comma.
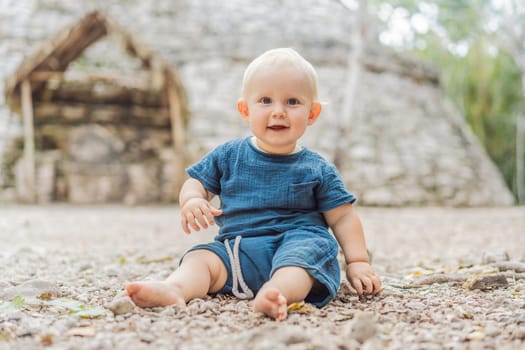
x: 4, y: 285
x: 199, y: 306
x: 31, y: 289
x: 111, y: 272
x: 492, y: 331
x: 85, y: 267
x: 518, y: 333
x: 437, y: 316
x: 363, y: 327
x: 416, y: 305
x: 476, y: 335
x: 15, y: 316
x: 516, y: 266
x: 492, y: 257
x: 122, y: 305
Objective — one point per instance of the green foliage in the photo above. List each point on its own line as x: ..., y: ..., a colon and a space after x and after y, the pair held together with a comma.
x: 14, y: 305
x: 482, y: 79
x: 72, y: 307
x: 491, y: 95
x: 77, y: 309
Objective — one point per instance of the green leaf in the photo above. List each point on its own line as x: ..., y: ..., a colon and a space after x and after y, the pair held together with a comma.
x: 18, y: 301
x: 14, y: 305
x: 90, y: 312
x: 66, y: 303
x: 77, y: 309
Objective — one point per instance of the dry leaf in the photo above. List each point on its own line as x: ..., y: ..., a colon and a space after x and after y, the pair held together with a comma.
x: 6, y: 336
x: 295, y: 306
x: 300, y: 308
x: 45, y: 296
x: 47, y: 339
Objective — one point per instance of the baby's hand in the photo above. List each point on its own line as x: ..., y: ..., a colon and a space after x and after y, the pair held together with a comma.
x: 363, y: 278
x: 197, y: 213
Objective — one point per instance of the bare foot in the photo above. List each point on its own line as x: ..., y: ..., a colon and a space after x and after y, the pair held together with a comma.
x: 151, y: 294
x: 272, y: 303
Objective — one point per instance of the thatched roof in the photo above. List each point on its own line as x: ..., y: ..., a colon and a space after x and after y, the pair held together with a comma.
x: 54, y: 56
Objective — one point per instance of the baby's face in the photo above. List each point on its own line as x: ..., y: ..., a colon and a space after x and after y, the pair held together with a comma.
x: 279, y: 101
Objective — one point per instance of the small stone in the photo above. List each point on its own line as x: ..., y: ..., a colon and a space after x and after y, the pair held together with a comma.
x: 516, y: 266
x: 486, y: 282
x: 5, y: 284
x: 492, y: 257
x: 15, y: 316
x: 493, y: 331
x: 370, y: 344
x: 85, y: 268
x: 464, y: 313
x: 295, y: 337
x: 363, y: 327
x: 84, y: 331
x: 416, y: 305
x: 31, y: 289
x: 147, y: 338
x: 111, y: 272
x: 121, y: 305
x: 518, y: 333
x: 476, y: 335
x: 199, y: 306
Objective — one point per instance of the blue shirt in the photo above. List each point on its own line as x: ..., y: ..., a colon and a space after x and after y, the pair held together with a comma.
x: 266, y: 194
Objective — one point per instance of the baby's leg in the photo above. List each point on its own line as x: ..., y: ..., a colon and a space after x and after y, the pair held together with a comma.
x: 288, y: 285
x: 201, y: 272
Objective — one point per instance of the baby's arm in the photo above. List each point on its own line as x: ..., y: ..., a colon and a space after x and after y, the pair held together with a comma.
x: 347, y: 228
x: 196, y: 210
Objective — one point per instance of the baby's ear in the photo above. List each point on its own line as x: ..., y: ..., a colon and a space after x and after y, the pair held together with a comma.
x: 315, y: 110
x: 242, y: 107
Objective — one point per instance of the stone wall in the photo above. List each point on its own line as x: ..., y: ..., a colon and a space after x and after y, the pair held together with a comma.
x: 406, y: 146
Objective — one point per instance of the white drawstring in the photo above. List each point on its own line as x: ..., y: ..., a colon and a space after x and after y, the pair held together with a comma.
x: 236, y: 270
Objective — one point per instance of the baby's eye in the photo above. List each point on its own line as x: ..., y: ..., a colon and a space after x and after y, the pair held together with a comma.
x: 266, y: 100
x: 293, y: 101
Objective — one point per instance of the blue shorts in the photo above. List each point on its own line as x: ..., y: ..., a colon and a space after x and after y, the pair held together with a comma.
x: 261, y: 256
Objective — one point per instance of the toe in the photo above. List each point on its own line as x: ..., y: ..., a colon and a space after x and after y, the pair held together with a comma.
x: 131, y: 288
x: 273, y: 295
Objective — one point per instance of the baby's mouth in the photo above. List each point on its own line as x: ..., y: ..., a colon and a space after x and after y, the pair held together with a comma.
x: 277, y: 127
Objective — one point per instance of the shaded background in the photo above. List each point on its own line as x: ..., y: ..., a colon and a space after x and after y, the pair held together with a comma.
x: 404, y: 142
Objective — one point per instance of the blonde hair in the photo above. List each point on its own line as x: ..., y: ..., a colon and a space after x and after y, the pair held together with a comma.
x: 281, y: 56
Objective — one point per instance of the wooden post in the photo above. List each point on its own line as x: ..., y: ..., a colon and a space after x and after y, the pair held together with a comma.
x: 29, y: 143
x: 178, y: 137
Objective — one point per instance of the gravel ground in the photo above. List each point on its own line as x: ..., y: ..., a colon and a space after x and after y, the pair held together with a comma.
x: 453, y: 279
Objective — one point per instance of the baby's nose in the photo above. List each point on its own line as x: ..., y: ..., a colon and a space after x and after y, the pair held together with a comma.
x: 278, y: 110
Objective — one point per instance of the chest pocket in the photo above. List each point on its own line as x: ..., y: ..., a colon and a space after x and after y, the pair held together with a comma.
x: 302, y: 195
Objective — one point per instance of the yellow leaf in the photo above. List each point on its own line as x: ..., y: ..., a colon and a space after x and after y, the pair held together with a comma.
x: 6, y: 336
x: 45, y: 296
x: 300, y: 308
x: 295, y: 306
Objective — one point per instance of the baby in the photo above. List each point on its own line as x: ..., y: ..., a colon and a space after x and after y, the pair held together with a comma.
x: 278, y: 201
